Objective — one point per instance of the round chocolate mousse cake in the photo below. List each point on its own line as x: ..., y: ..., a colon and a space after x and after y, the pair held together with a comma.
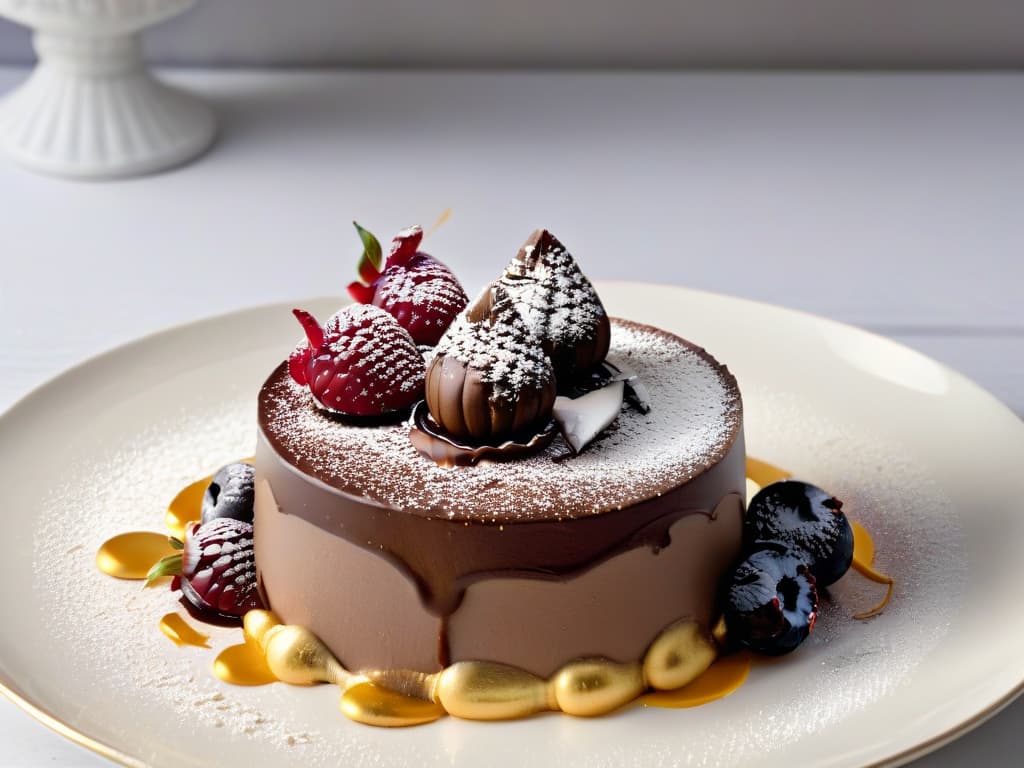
x: 396, y: 562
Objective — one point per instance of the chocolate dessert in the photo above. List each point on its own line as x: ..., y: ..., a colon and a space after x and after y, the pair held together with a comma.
x: 396, y: 562
x: 520, y: 507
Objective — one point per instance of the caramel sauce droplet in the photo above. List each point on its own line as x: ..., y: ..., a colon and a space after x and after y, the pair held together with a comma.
x: 763, y: 473
x: 180, y: 632
x: 186, y: 507
x: 863, y: 545
x: 243, y: 664
x: 863, y: 560
x: 372, y: 705
x: 723, y: 677
x: 131, y: 555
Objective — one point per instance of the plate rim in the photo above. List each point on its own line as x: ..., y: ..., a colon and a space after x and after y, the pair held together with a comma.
x: 39, y: 712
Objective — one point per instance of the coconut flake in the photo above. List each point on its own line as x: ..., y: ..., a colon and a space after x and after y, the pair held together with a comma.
x: 581, y: 419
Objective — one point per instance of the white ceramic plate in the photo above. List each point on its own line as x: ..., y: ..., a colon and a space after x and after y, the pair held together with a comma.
x: 926, y: 459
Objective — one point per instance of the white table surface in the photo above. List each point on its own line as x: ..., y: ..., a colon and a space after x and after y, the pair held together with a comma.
x: 889, y: 201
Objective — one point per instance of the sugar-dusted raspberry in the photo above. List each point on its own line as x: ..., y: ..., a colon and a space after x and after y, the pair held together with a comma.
x: 299, y: 358
x: 216, y: 571
x: 420, y: 292
x: 363, y: 363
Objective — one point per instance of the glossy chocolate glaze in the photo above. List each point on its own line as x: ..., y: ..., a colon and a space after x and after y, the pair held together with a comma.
x: 443, y: 557
x: 370, y: 615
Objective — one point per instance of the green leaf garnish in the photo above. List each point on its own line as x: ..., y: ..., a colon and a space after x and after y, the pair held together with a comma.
x: 372, y: 260
x: 168, y: 566
x: 175, y: 543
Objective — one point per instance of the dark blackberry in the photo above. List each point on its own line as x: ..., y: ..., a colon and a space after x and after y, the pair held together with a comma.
x: 230, y: 494
x: 771, y: 602
x: 807, y: 520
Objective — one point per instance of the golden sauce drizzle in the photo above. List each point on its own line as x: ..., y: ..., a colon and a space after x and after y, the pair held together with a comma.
x: 863, y: 562
x: 180, y: 632
x: 372, y: 705
x: 185, y: 507
x: 722, y: 678
x: 131, y: 555
x: 243, y: 664
x: 863, y: 545
x: 763, y: 473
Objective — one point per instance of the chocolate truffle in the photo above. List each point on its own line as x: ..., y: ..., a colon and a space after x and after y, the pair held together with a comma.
x: 490, y: 378
x: 559, y: 305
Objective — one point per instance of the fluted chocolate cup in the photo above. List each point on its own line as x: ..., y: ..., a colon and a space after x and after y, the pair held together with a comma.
x: 468, y: 407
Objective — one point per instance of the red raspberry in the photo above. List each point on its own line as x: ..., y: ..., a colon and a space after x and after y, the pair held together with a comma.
x: 364, y: 363
x: 219, y: 567
x: 216, y: 572
x: 420, y: 292
x: 299, y: 358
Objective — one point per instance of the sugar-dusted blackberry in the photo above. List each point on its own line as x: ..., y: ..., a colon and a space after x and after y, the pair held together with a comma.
x: 771, y: 602
x: 806, y: 519
x: 230, y: 494
x: 363, y: 363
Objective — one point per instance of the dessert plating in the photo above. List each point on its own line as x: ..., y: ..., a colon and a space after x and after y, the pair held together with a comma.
x: 473, y: 561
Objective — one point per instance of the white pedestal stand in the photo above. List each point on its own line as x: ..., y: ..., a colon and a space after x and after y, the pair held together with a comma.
x: 90, y: 109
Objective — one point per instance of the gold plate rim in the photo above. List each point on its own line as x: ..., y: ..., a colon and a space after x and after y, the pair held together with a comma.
x: 54, y: 723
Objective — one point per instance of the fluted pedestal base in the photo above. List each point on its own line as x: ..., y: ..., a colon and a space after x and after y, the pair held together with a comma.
x: 91, y: 110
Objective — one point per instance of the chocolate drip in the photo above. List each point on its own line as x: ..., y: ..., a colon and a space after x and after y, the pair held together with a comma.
x: 444, y: 655
x: 443, y: 557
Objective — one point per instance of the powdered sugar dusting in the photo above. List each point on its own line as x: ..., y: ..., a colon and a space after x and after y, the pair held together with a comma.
x: 696, y: 415
x: 111, y: 625
x: 505, y: 353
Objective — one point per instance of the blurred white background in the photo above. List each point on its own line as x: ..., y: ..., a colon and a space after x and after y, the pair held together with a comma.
x: 586, y: 33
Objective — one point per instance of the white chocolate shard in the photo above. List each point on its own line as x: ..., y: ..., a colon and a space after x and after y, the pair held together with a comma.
x: 583, y: 418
